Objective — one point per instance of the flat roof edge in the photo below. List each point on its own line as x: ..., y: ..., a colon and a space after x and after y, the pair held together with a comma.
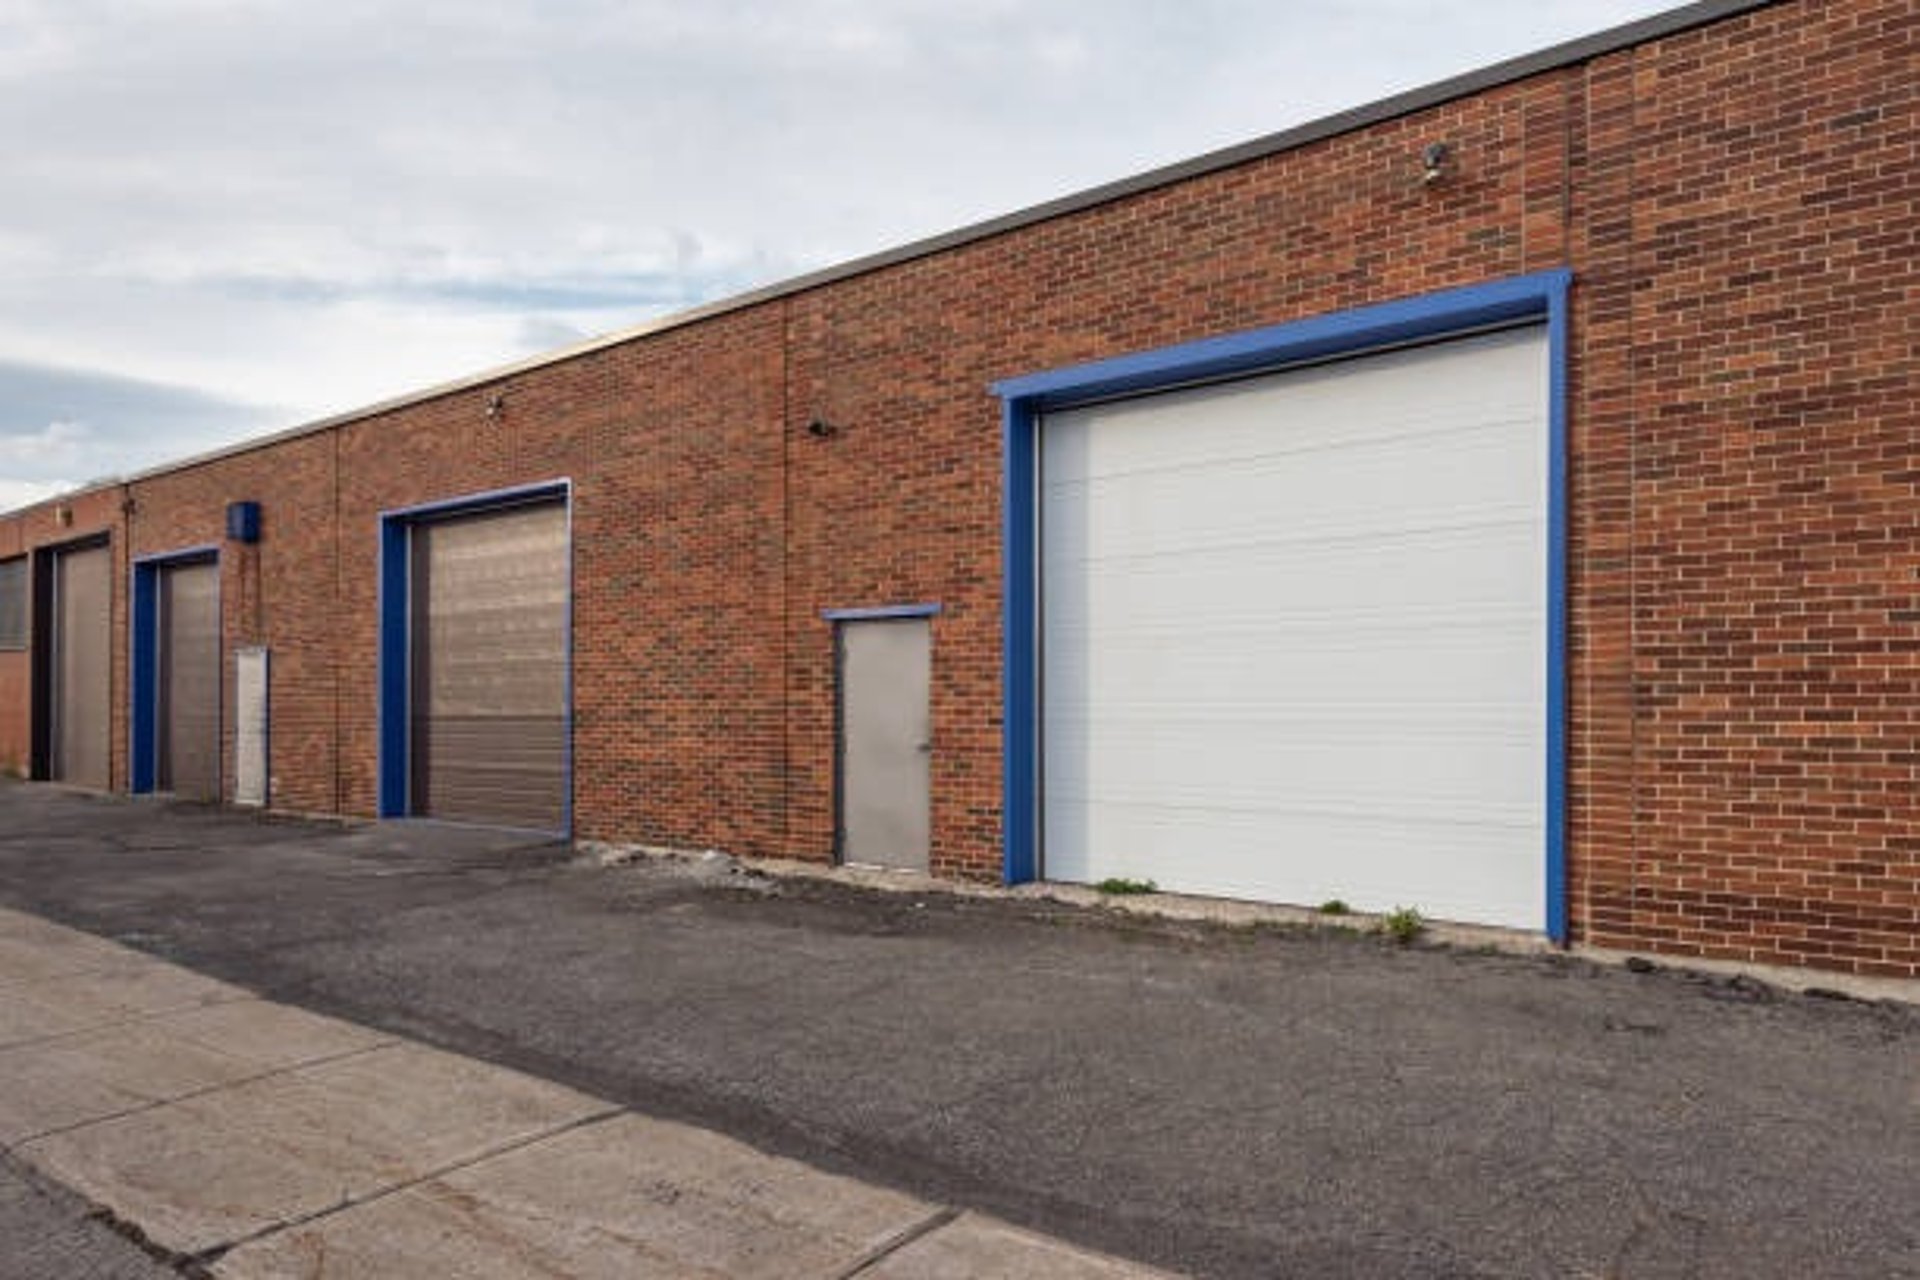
x: 1568, y: 53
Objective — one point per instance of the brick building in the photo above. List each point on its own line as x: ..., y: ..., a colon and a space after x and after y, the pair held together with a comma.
x: 1501, y: 499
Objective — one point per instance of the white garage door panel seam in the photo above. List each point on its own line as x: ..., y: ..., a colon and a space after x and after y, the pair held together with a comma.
x: 1255, y: 462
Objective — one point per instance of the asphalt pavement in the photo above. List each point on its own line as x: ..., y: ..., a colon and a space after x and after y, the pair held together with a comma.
x: 47, y: 1231
x: 1231, y: 1102
x: 237, y: 1138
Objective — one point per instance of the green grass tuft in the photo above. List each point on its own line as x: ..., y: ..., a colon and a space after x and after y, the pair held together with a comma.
x: 1402, y: 924
x: 1121, y: 885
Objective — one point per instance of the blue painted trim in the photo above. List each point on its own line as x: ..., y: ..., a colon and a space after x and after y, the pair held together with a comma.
x: 1540, y: 295
x: 145, y: 682
x: 1557, y: 621
x: 393, y: 666
x: 509, y: 497
x: 565, y: 495
x: 395, y: 641
x: 181, y: 555
x: 143, y: 707
x: 1020, y: 641
x: 882, y: 611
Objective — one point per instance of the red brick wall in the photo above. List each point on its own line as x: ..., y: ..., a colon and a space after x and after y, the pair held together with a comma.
x: 903, y: 505
x: 1739, y: 206
x: 277, y: 592
x: 674, y: 448
x: 1751, y: 284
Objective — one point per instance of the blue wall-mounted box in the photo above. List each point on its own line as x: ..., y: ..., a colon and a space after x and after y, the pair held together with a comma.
x: 243, y: 521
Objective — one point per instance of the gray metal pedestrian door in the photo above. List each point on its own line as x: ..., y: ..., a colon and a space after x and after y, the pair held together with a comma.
x: 489, y: 667
x: 82, y: 652
x: 886, y: 742
x: 188, y: 761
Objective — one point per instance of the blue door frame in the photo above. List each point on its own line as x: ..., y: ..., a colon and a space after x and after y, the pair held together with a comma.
x: 395, y: 640
x: 144, y: 657
x: 1540, y: 296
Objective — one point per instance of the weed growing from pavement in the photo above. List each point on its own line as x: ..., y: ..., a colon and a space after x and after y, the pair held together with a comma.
x: 1402, y: 924
x: 1121, y: 886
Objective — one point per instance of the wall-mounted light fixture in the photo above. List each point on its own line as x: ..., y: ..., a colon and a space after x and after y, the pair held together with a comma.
x: 63, y: 516
x: 821, y: 429
x: 1435, y: 160
x: 496, y: 404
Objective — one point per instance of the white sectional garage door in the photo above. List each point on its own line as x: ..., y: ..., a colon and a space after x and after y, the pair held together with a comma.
x: 1294, y: 634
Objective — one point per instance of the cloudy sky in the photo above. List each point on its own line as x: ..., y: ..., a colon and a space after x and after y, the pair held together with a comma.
x: 221, y: 217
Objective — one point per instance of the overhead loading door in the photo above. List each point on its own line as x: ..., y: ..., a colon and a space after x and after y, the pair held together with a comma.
x: 81, y: 659
x: 1294, y: 634
x: 489, y: 689
x: 189, y: 669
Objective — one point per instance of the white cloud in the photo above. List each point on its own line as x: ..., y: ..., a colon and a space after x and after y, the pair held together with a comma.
x: 314, y: 206
x: 15, y: 494
x: 58, y: 424
x: 57, y: 445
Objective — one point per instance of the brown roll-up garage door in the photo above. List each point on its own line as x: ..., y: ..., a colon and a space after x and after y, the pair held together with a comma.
x: 189, y: 719
x: 82, y: 653
x: 489, y: 690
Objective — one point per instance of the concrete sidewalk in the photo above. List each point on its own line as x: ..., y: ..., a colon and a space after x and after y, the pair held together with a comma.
x: 250, y: 1139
